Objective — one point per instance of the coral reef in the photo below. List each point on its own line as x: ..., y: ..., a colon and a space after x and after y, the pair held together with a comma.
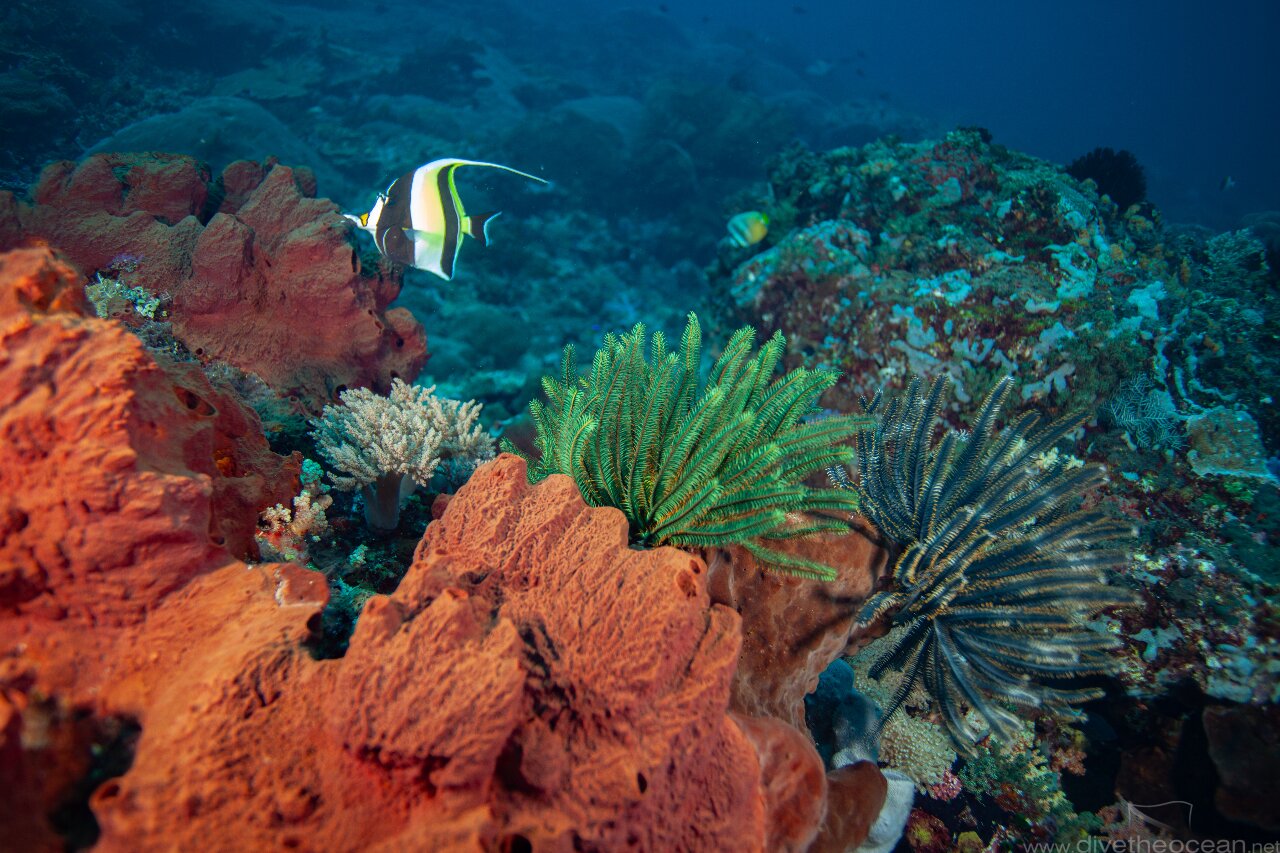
x: 911, y: 742
x: 617, y: 724
x: 1016, y: 775
x: 253, y: 271
x: 926, y: 833
x: 960, y: 256
x: 1146, y: 414
x: 522, y: 676
x: 127, y: 477
x: 124, y: 472
x: 579, y: 692
x: 1200, y: 624
x: 1117, y: 174
x: 283, y: 532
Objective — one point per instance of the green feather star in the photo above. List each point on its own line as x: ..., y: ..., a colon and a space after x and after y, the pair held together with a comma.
x: 697, y: 463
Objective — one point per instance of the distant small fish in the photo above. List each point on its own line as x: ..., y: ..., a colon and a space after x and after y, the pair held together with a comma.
x: 419, y: 221
x: 1227, y: 183
x: 747, y: 229
x: 819, y: 68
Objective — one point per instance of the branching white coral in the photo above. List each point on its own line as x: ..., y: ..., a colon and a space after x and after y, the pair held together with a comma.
x: 369, y: 436
x: 464, y: 442
x: 386, y: 446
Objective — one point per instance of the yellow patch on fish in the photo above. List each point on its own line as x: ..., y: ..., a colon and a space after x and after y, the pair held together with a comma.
x: 747, y: 229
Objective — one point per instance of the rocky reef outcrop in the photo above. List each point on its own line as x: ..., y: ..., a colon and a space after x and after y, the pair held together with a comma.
x: 248, y: 269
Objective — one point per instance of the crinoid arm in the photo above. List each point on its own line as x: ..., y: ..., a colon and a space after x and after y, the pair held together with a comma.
x: 697, y: 461
x: 1001, y: 570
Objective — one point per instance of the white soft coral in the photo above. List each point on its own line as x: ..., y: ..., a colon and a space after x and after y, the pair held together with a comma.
x: 387, y: 446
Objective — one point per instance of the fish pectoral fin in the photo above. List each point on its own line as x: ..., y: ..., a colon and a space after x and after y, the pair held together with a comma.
x: 478, y: 226
x: 415, y: 236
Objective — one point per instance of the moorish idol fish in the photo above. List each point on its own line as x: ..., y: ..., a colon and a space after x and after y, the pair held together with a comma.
x: 419, y: 220
x: 747, y: 229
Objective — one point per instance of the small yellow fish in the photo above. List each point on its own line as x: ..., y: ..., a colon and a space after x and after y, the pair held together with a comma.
x: 747, y: 229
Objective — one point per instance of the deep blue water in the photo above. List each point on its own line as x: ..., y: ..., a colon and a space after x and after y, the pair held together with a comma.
x: 1191, y: 88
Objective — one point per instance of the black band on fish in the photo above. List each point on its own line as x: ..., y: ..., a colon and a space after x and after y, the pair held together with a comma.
x: 452, y: 227
x: 395, y: 217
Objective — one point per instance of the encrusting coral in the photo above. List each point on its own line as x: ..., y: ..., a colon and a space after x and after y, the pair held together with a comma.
x: 387, y: 446
x: 1000, y: 569
x: 691, y: 466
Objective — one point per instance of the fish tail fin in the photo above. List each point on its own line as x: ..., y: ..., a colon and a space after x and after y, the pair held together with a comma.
x: 478, y: 226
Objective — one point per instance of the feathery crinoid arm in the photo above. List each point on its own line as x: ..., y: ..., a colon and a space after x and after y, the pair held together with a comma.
x: 694, y: 461
x: 1001, y: 572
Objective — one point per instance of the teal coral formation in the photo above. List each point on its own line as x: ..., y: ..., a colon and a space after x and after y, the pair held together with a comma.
x: 691, y: 462
x: 1001, y: 569
x: 899, y: 259
x: 921, y: 303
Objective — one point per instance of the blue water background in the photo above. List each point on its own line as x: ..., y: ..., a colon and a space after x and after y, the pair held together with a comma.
x: 1192, y: 88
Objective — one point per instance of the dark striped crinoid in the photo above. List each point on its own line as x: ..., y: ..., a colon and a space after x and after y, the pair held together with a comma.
x: 1000, y: 568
